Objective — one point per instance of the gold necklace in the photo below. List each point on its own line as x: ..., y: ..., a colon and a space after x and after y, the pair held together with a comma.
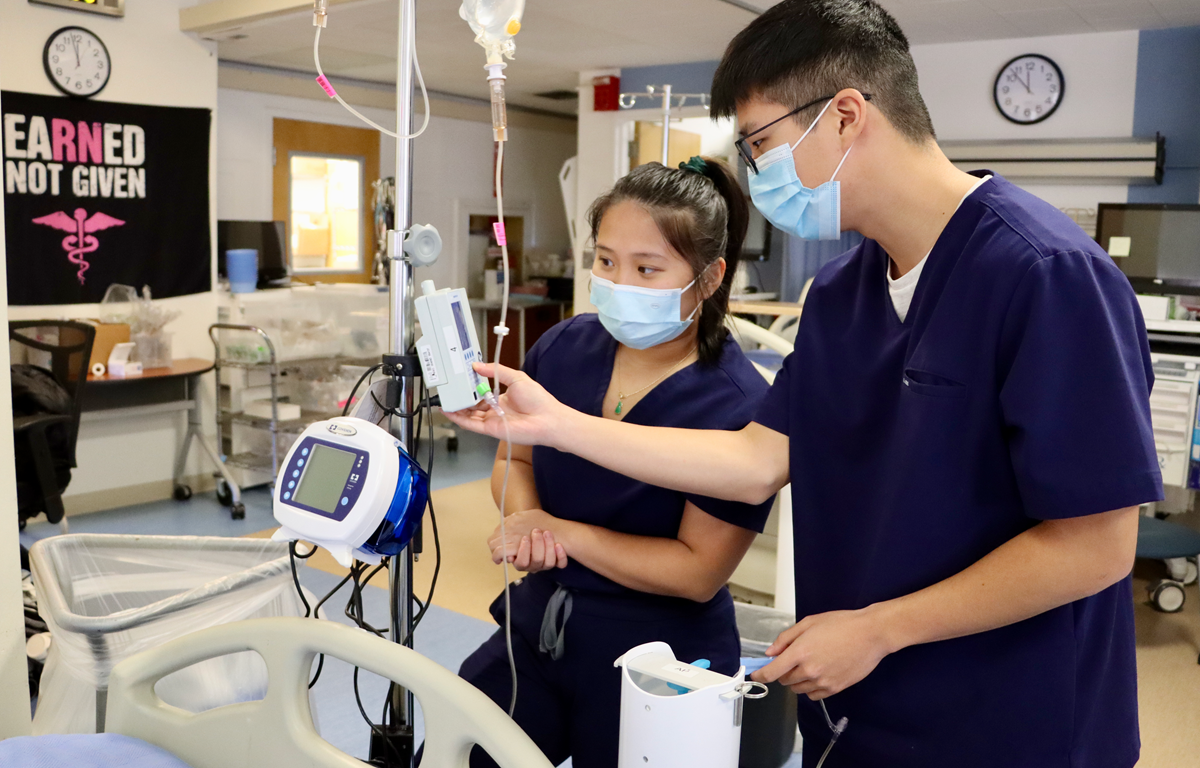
x: 622, y: 395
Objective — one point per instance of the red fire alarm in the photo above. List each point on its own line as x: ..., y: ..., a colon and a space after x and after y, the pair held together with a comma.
x: 607, y: 91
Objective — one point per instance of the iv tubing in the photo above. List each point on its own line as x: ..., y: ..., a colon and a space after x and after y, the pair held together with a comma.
x: 501, y: 332
x: 324, y: 81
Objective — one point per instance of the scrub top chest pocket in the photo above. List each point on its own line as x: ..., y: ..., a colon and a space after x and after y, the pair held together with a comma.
x: 929, y: 384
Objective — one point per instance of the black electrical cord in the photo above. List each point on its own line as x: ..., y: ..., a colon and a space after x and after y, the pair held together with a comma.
x: 296, y: 576
x: 366, y: 374
x: 308, y: 611
x: 437, y: 543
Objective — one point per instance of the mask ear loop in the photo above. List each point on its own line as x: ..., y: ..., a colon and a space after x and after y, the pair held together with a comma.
x: 697, y: 279
x: 812, y: 125
x: 839, y: 165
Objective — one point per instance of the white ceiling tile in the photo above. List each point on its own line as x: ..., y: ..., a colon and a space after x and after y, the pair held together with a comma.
x: 1177, y: 7
x: 1051, y: 21
x: 1008, y: 6
x: 1133, y: 11
x: 1187, y: 18
x: 563, y: 37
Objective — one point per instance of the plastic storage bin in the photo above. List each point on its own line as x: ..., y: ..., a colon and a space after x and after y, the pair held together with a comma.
x: 106, y: 597
x: 769, y: 723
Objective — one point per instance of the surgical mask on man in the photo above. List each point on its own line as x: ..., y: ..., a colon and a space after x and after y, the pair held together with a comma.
x: 638, y: 317
x: 779, y: 195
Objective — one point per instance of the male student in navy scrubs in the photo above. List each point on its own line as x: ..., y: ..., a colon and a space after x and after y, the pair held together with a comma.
x: 964, y: 422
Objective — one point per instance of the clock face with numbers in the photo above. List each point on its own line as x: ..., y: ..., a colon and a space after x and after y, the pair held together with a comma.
x: 76, y: 62
x: 1028, y: 89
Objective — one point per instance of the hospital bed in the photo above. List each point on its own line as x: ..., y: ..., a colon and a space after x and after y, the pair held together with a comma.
x: 767, y: 567
x: 278, y: 730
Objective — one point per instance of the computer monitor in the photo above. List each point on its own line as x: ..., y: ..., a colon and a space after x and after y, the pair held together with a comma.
x: 757, y: 244
x: 1156, y: 245
x: 267, y: 237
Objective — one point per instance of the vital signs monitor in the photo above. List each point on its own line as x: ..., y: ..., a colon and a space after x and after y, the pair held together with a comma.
x: 349, y: 486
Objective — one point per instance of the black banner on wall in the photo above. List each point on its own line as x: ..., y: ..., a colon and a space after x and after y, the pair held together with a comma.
x: 98, y: 193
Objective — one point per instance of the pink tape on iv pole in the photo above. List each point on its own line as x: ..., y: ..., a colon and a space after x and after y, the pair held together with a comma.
x: 326, y: 86
x: 498, y: 228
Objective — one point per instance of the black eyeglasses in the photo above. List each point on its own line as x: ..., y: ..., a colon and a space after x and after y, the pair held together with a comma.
x: 744, y: 149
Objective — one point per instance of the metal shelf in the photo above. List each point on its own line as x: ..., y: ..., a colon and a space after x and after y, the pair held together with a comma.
x: 301, y: 362
x: 252, y: 461
x: 283, y: 426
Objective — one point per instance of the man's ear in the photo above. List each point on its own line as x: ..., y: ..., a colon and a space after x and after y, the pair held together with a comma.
x: 851, y: 110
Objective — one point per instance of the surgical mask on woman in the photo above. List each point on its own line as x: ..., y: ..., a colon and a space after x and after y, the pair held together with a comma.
x: 780, y: 196
x: 638, y: 317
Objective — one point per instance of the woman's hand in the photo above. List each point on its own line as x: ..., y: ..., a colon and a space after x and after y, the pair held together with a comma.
x: 527, y: 543
x: 534, y: 416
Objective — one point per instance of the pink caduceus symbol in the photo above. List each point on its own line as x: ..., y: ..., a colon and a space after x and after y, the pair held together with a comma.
x: 79, y: 241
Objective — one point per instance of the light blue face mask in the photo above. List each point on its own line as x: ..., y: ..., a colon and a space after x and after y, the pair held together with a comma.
x: 637, y: 317
x: 813, y: 214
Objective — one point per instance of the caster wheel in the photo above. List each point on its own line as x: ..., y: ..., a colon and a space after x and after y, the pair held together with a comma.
x: 1192, y: 573
x: 1166, y: 596
x: 452, y: 444
x: 224, y: 493
x: 182, y: 492
x: 238, y: 511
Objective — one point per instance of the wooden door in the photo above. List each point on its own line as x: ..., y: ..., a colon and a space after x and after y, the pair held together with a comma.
x: 648, y: 149
x: 298, y: 136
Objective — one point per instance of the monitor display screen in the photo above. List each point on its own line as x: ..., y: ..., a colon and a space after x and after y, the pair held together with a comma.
x: 1157, y: 246
x: 324, y: 478
x: 266, y: 237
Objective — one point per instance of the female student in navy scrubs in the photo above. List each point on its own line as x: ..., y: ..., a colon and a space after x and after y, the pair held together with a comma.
x: 965, y: 423
x: 614, y: 562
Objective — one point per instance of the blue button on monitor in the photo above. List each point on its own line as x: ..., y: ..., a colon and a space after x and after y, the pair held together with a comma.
x: 286, y: 495
x: 303, y: 451
x: 291, y: 483
x: 300, y: 462
x: 295, y: 473
x: 345, y: 501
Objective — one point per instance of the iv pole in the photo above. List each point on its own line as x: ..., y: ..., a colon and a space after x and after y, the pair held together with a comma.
x: 400, y: 342
x: 629, y: 101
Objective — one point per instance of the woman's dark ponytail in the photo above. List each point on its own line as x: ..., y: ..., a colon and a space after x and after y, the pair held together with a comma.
x: 711, y: 330
x: 703, y: 214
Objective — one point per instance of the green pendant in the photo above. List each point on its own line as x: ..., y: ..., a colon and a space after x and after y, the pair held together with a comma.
x: 618, y: 411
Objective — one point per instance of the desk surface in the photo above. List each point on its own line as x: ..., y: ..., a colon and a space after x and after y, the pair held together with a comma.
x: 740, y: 306
x: 184, y: 366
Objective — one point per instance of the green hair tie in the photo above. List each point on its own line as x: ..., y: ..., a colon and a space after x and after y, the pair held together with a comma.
x: 696, y: 165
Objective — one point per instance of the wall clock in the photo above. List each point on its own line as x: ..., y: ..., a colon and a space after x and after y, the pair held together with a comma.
x: 77, y: 62
x: 1028, y: 89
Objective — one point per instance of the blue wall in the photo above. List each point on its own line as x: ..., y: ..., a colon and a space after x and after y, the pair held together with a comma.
x: 1167, y: 101
x: 695, y: 77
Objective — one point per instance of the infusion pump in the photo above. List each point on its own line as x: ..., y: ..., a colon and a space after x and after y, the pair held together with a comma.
x: 448, y: 347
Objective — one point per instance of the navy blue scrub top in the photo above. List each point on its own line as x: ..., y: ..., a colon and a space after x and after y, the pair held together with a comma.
x: 574, y: 362
x: 1017, y: 390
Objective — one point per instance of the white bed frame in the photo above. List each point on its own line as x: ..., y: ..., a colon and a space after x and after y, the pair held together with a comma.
x: 278, y: 730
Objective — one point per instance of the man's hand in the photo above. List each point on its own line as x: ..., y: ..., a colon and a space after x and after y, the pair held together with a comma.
x: 534, y: 416
x: 527, y: 543
x: 826, y: 653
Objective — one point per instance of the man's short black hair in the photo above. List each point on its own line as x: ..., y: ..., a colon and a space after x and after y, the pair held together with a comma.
x: 801, y: 50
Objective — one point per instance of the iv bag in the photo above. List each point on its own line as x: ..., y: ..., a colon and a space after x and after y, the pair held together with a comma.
x: 494, y: 23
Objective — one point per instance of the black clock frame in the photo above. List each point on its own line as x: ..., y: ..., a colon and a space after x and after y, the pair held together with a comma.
x: 1062, y: 92
x: 50, y: 75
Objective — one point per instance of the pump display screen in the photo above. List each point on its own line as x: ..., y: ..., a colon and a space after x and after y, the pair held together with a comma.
x: 324, y: 478
x: 460, y: 321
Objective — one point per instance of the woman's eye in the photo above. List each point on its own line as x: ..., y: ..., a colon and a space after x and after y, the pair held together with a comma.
x: 756, y: 143
x: 605, y: 262
x: 647, y: 270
